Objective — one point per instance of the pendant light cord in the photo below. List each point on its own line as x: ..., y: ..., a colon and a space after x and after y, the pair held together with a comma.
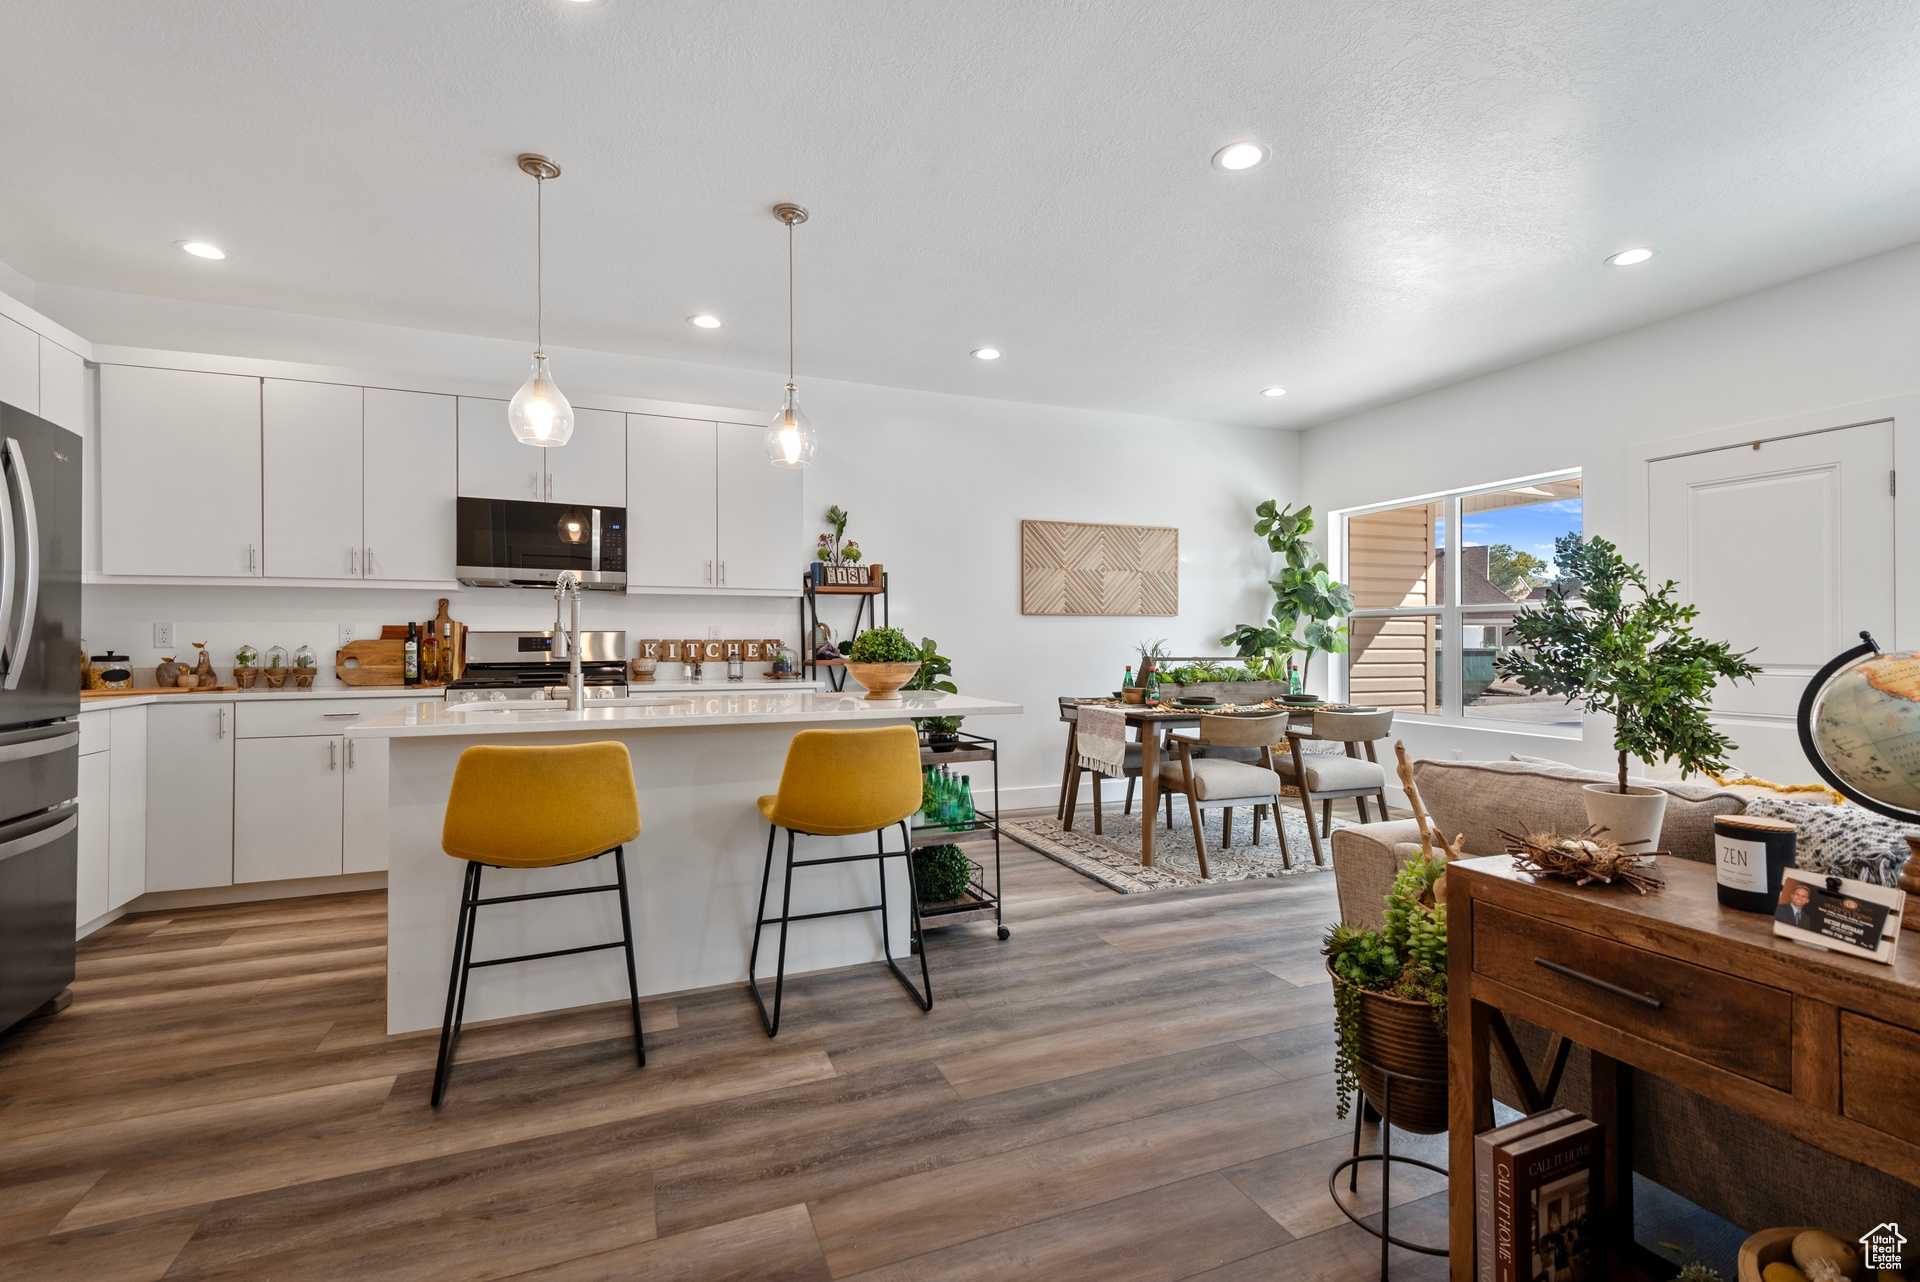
x: 789, y: 301
x: 539, y: 264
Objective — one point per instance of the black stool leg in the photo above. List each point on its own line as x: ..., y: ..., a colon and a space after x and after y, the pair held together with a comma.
x: 457, y: 982
x: 913, y: 900
x: 924, y: 1002
x: 772, y: 1021
x: 626, y: 937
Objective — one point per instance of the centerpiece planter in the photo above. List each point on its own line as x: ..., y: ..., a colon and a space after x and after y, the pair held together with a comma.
x: 1631, y: 819
x: 882, y: 680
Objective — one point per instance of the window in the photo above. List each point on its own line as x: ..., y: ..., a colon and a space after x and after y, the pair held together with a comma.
x: 1428, y: 623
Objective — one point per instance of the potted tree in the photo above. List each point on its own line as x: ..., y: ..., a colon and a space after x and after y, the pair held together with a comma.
x: 883, y: 660
x: 1307, y: 602
x: 1628, y: 649
x: 1390, y: 1000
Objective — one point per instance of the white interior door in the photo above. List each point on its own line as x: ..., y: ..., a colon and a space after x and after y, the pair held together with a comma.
x: 761, y: 541
x: 591, y: 468
x: 493, y: 465
x: 179, y: 472
x: 1787, y: 551
x: 671, y: 510
x: 310, y: 473
x: 411, y: 452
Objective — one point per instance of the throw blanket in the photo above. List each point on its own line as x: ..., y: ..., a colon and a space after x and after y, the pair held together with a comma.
x: 1100, y: 740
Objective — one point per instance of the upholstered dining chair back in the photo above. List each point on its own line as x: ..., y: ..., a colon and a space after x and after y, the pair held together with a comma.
x: 1243, y: 732
x: 1352, y: 727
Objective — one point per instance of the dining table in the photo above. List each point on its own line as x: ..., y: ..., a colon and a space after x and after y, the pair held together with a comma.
x: 1152, y: 720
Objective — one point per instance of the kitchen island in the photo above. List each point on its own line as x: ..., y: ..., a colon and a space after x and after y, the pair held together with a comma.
x: 700, y: 762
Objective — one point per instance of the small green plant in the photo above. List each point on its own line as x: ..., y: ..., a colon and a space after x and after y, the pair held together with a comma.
x: 831, y: 548
x: 1637, y: 660
x: 933, y: 667
x: 943, y: 873
x: 1408, y: 959
x: 883, y: 645
x: 1697, y: 1272
x: 939, y: 725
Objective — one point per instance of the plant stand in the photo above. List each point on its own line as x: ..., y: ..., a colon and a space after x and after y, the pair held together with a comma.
x: 1386, y: 1158
x: 877, y: 616
x: 980, y: 901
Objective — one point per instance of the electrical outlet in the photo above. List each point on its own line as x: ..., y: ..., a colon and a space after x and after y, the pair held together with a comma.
x: 163, y: 636
x: 1458, y: 756
x: 346, y: 633
x: 713, y: 632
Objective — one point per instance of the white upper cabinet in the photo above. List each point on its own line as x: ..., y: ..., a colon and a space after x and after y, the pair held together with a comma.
x: 310, y: 451
x: 19, y: 366
x: 759, y: 535
x: 493, y: 465
x: 63, y: 386
x: 672, y: 507
x: 180, y: 486
x: 410, y: 452
x: 591, y: 468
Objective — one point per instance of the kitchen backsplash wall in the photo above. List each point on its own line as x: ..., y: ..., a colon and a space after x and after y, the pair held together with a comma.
x: 122, y: 616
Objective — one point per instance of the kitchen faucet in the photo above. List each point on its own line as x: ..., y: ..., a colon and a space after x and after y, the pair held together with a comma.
x: 568, y: 585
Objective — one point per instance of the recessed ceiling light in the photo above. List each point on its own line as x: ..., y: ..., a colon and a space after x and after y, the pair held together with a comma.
x: 1239, y: 155
x: 1628, y: 257
x: 705, y: 321
x: 1273, y: 391
x: 201, y: 249
x: 987, y: 353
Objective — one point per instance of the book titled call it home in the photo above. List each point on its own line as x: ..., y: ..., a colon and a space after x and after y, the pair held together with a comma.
x: 1535, y: 1182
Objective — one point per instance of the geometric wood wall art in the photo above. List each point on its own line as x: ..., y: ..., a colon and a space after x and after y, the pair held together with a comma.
x: 1070, y: 568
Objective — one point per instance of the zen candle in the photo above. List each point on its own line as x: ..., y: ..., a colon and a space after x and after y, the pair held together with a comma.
x: 1750, y: 852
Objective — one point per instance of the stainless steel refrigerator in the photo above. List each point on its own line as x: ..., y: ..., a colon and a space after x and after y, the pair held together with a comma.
x: 39, y: 701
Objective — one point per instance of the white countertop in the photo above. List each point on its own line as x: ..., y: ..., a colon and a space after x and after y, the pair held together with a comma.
x: 95, y: 702
x: 665, y: 710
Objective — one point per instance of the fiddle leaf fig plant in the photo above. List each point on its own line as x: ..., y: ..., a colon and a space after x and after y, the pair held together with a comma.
x: 1309, y: 604
x: 1607, y: 636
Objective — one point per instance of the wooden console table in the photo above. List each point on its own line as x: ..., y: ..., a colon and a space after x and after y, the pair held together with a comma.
x: 1824, y: 1047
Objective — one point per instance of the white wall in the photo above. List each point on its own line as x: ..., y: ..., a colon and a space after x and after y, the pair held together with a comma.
x: 1829, y: 349
x: 937, y: 486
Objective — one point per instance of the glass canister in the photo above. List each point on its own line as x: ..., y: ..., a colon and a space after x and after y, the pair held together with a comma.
x: 276, y: 667
x: 305, y: 664
x: 736, y: 654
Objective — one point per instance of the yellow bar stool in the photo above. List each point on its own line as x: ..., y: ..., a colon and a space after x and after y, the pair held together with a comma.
x: 838, y: 783
x: 536, y: 808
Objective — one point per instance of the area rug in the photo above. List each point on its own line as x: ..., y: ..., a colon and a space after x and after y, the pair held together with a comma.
x: 1113, y: 858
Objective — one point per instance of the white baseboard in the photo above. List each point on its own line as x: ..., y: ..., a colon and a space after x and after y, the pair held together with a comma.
x: 104, y: 919
x: 161, y: 901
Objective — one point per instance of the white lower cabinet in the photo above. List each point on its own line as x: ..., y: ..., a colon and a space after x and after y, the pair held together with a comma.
x: 287, y: 797
x: 127, y: 835
x: 189, y: 795
x: 363, y: 841
x: 96, y: 856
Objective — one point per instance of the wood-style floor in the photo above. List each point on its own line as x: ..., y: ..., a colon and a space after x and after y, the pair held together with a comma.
x: 1131, y: 1087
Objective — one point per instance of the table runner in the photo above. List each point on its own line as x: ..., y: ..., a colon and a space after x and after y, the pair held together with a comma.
x: 1100, y: 738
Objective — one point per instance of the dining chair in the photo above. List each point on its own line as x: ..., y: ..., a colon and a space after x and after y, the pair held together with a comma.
x: 1072, y: 769
x: 1221, y: 783
x: 1325, y: 777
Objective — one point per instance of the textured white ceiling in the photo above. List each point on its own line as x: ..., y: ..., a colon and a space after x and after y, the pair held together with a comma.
x: 1446, y: 176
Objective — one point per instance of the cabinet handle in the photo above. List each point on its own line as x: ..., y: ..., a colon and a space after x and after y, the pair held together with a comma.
x: 353, y: 563
x: 340, y: 714
x: 222, y: 714
x: 536, y: 483
x: 709, y: 571
x: 723, y: 573
x: 1640, y: 999
x: 333, y: 754
x: 350, y: 744
x: 368, y: 560
x: 549, y: 489
x: 250, y: 558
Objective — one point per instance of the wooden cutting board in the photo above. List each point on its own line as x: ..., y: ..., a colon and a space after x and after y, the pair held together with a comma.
x: 373, y: 663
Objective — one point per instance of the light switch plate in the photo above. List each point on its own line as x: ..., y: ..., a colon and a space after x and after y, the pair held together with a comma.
x: 163, y: 636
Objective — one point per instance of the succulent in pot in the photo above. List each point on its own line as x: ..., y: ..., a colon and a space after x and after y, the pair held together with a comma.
x: 883, y: 660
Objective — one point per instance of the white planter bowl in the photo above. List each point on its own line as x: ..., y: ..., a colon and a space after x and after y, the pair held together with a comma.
x: 1632, y: 818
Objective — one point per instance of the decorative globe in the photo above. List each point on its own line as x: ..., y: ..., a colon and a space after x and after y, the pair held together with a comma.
x: 1865, y: 730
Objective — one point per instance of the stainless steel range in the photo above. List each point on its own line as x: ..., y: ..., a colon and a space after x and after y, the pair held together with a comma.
x: 502, y: 666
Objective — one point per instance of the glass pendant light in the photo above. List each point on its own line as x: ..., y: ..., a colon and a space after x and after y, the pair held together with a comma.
x: 539, y: 414
x: 790, y: 438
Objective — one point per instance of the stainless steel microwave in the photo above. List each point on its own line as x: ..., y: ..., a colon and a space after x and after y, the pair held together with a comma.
x: 512, y: 543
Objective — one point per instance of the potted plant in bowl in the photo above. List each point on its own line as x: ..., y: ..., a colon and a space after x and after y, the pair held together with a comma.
x: 883, y: 660
x: 1390, y: 999
x: 1604, y: 635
